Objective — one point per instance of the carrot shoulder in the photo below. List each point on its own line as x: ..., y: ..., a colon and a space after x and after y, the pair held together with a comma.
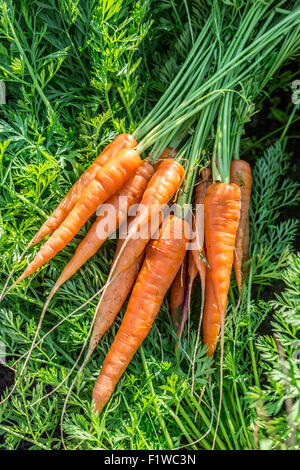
x: 163, y: 259
x: 122, y: 141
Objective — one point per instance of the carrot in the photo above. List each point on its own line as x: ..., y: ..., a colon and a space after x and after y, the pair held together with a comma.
x: 190, y: 277
x: 211, y: 317
x: 110, y: 216
x: 246, y: 247
x: 192, y: 270
x: 240, y: 174
x: 222, y: 206
x: 108, y: 180
x: 162, y: 186
x: 169, y: 152
x: 113, y: 298
x: 163, y: 259
x: 119, y: 283
x: 122, y: 141
x: 177, y: 294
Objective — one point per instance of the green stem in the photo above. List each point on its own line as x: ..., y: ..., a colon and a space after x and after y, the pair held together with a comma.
x: 180, y: 424
x: 22, y: 437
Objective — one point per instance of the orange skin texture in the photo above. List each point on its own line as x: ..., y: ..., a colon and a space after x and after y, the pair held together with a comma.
x: 177, y: 294
x: 211, y: 322
x: 222, y: 206
x: 113, y: 298
x: 122, y: 141
x: 240, y: 174
x: 200, y: 194
x: 163, y: 259
x: 161, y: 188
x: 246, y: 252
x: 108, y: 180
x: 109, y: 218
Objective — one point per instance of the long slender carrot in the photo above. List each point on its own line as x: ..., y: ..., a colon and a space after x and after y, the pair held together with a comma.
x: 163, y: 259
x: 240, y: 174
x: 211, y: 323
x: 110, y: 216
x: 191, y: 274
x: 108, y: 180
x: 177, y: 294
x: 122, y: 141
x: 246, y: 248
x: 113, y: 298
x: 222, y: 206
x: 122, y: 271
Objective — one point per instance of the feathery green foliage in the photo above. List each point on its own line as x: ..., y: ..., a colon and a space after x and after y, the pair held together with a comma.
x: 77, y: 73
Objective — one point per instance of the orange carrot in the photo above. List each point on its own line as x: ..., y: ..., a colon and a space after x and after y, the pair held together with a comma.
x: 192, y: 270
x: 113, y: 298
x: 163, y: 259
x: 177, y: 294
x: 110, y: 216
x: 211, y: 317
x: 122, y: 141
x: 222, y: 206
x: 240, y: 174
x: 200, y: 194
x: 162, y: 186
x: 246, y: 252
x: 108, y: 180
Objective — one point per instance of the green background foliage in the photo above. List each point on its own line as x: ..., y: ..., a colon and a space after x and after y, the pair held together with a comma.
x: 77, y: 73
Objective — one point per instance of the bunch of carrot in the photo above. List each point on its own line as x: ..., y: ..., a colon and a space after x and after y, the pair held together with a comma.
x: 160, y: 248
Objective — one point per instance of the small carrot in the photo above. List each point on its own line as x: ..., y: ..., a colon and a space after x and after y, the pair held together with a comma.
x: 163, y: 259
x: 121, y: 142
x: 110, y: 216
x: 177, y: 295
x: 108, y: 180
x: 222, y: 206
x: 240, y: 174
